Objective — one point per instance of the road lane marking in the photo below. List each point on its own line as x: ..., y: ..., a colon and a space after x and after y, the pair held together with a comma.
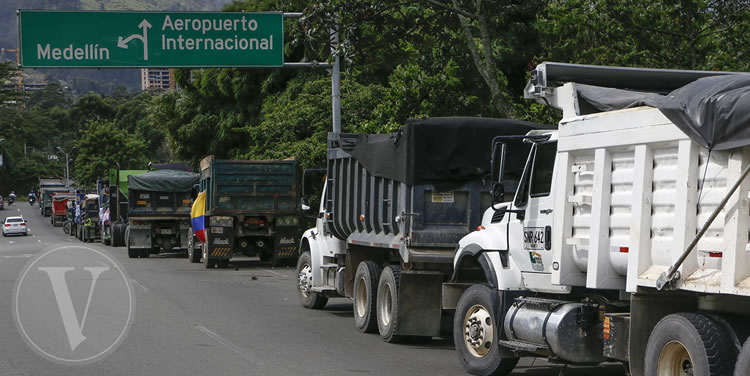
x: 140, y: 286
x: 226, y: 343
x: 271, y: 271
x: 19, y: 256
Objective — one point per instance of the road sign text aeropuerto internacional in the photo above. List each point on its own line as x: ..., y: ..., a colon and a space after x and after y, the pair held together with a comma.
x: 58, y: 39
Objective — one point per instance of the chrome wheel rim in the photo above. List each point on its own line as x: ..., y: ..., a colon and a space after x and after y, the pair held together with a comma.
x: 385, y: 305
x: 360, y: 303
x: 304, y: 280
x: 674, y: 360
x: 479, y: 333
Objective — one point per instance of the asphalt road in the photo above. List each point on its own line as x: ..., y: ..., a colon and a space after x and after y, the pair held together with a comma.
x: 239, y: 321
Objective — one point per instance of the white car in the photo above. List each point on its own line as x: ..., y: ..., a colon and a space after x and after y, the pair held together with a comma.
x: 15, y: 225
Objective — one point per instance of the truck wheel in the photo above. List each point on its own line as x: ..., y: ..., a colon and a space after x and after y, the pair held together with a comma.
x: 132, y: 253
x: 145, y: 252
x: 475, y: 333
x: 387, y: 303
x: 222, y: 263
x: 307, y: 298
x: 208, y: 262
x: 688, y: 343
x: 742, y: 367
x: 118, y: 235
x: 193, y: 255
x: 365, y: 293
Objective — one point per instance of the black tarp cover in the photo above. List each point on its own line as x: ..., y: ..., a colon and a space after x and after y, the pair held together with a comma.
x: 440, y: 150
x: 712, y: 111
x: 163, y: 181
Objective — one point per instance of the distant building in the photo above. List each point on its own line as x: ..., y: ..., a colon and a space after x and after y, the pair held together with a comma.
x: 157, y: 79
x: 34, y: 86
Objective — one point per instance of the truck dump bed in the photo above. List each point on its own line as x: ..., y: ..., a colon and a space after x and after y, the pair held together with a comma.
x: 636, y: 189
x: 249, y: 187
x: 418, y: 190
x: 162, y: 193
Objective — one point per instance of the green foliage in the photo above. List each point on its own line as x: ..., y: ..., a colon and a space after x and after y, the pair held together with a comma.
x: 102, y: 146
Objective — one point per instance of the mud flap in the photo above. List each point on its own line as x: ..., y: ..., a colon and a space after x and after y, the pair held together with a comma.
x: 285, y: 243
x: 419, y: 302
x: 220, y: 242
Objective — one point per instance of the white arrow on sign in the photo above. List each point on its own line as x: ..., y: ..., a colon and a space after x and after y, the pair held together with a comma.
x: 123, y: 43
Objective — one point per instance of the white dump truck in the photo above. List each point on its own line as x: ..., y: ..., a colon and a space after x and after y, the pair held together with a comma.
x: 626, y: 238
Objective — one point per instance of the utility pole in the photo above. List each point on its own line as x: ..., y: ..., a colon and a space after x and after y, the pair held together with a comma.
x: 67, y: 164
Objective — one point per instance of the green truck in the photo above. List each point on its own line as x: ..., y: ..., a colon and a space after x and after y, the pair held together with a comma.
x: 251, y: 209
x: 113, y: 199
x: 159, y: 211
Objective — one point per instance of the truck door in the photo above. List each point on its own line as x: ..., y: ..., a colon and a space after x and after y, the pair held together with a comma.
x: 530, y: 231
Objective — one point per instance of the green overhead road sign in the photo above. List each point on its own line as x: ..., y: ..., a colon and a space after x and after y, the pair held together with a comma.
x: 55, y: 39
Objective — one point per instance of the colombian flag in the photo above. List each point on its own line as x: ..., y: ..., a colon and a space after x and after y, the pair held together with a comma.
x: 197, y: 213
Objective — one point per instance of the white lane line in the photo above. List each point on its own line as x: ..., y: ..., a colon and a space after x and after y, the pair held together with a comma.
x: 140, y: 286
x: 226, y: 343
x: 271, y: 271
x: 18, y: 256
x: 11, y: 242
x: 39, y: 240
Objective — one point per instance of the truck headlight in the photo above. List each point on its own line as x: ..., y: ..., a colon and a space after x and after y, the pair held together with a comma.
x: 222, y: 221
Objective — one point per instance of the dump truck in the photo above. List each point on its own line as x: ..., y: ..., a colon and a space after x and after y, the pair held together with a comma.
x: 251, y: 209
x: 393, y: 209
x: 113, y: 199
x: 47, y: 186
x: 159, y: 211
x: 60, y: 207
x: 626, y: 237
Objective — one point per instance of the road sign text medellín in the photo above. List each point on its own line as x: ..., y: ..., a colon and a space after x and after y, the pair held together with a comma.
x: 150, y: 39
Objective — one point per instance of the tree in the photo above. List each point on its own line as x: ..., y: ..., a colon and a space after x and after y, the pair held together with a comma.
x: 101, y: 146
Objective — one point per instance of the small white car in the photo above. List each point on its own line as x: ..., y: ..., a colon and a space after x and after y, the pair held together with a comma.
x: 15, y: 225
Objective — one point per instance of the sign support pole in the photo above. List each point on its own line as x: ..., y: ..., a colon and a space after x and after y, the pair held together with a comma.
x: 335, y: 73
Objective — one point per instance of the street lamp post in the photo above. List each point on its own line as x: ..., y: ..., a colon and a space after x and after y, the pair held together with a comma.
x: 67, y: 164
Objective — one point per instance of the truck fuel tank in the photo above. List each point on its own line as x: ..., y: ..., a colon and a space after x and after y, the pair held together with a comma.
x: 570, y: 330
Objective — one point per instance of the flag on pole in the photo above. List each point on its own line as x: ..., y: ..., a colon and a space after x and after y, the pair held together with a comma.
x: 197, y: 215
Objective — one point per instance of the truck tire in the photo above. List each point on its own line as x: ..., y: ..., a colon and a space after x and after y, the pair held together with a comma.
x: 208, y: 262
x: 118, y: 235
x: 193, y: 256
x: 476, y: 332
x: 145, y: 252
x: 387, y: 303
x: 683, y: 342
x: 742, y: 367
x: 365, y: 293
x: 307, y: 298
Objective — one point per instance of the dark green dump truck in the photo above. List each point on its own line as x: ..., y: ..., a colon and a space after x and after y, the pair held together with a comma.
x: 159, y: 211
x: 251, y: 209
x: 113, y: 199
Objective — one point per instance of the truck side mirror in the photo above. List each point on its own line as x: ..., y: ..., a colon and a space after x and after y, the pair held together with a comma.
x: 305, y: 207
x: 307, y: 179
x: 497, y: 163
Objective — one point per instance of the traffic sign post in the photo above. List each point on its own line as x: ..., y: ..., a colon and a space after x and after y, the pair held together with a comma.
x: 59, y: 39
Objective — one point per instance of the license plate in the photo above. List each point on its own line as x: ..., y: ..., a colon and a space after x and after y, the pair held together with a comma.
x: 166, y: 231
x: 217, y: 230
x: 533, y: 237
